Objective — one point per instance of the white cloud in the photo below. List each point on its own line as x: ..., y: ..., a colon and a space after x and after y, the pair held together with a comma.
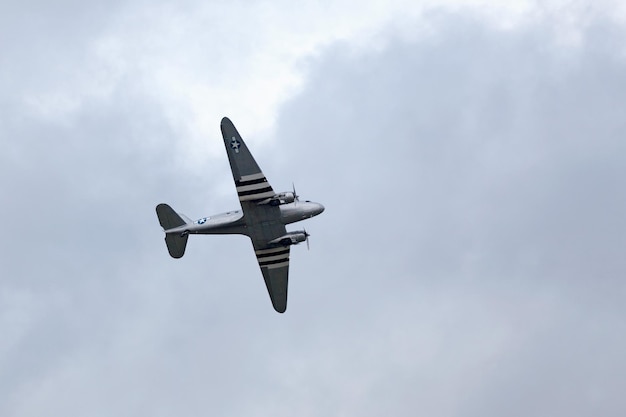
x: 243, y: 59
x: 469, y: 258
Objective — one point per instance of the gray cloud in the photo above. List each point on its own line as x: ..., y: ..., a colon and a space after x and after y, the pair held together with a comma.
x: 468, y: 262
x: 483, y: 171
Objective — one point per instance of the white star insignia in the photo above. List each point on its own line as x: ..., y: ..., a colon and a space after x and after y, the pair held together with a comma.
x: 235, y: 144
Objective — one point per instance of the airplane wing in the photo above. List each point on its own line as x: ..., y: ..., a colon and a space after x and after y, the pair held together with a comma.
x: 249, y: 179
x: 274, y: 263
x: 262, y: 220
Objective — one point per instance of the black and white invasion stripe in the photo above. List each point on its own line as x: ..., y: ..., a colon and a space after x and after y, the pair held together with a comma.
x: 273, y: 258
x: 253, y: 187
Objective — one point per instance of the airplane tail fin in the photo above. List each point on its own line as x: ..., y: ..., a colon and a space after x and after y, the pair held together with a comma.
x: 169, y: 219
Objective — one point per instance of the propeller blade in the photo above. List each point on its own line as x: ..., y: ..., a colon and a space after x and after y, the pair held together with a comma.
x: 296, y: 197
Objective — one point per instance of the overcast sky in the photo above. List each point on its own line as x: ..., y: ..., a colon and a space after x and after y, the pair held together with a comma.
x: 471, y: 156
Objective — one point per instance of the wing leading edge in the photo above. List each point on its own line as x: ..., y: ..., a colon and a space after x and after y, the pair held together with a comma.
x: 262, y: 220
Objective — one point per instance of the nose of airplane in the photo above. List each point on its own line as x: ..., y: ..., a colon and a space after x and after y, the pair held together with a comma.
x: 320, y: 208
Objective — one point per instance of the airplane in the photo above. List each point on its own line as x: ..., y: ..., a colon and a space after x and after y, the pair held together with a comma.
x: 263, y: 216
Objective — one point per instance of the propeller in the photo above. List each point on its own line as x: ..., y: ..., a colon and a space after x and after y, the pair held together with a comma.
x: 306, y: 237
x: 296, y: 197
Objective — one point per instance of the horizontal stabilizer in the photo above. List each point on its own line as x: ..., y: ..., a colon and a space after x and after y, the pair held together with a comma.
x: 168, y: 218
x: 176, y: 244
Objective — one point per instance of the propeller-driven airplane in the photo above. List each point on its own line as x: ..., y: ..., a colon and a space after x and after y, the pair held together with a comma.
x: 263, y: 218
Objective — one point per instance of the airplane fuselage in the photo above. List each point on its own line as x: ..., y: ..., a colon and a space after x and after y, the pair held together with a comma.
x: 233, y: 222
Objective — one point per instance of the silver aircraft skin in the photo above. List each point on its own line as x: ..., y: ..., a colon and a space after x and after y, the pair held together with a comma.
x: 263, y: 216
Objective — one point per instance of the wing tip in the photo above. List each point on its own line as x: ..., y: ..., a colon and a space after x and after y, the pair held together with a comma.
x: 280, y: 309
x: 279, y: 303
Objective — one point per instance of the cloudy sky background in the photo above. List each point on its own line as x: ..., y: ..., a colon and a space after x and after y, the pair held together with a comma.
x: 470, y: 155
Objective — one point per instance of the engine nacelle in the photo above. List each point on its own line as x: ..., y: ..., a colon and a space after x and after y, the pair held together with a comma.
x: 291, y: 238
x: 280, y: 198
